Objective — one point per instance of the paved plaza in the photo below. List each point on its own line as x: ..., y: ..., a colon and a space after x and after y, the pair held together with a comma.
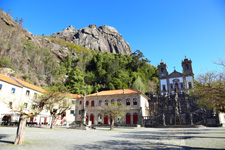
x: 122, y: 138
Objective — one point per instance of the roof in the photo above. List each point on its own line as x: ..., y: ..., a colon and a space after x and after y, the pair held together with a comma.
x: 114, y: 92
x: 28, y: 85
x: 9, y: 80
x: 75, y: 96
x: 175, y: 74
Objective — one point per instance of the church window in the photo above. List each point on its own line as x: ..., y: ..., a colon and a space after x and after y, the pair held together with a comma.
x: 187, y: 66
x: 189, y: 85
x: 171, y: 86
x: 127, y: 101
x: 162, y: 69
x: 164, y: 87
x: 176, y: 85
x: 181, y: 85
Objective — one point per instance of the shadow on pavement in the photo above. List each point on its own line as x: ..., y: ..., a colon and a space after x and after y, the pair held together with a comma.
x: 124, y: 144
x: 5, y: 136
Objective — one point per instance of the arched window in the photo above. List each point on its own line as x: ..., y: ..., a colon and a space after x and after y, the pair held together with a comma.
x: 119, y: 102
x: 135, y: 101
x: 127, y: 101
x: 80, y: 102
x: 92, y: 103
x: 100, y: 103
x: 87, y: 103
x: 106, y: 102
x: 112, y: 101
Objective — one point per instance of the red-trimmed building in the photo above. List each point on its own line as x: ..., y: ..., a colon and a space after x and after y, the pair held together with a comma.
x: 135, y: 100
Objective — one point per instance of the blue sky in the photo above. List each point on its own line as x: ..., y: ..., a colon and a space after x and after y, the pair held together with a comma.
x: 161, y: 29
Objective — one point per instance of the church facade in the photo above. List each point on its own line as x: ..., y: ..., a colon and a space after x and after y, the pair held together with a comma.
x: 173, y: 106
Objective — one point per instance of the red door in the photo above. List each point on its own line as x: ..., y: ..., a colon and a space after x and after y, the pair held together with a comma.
x: 135, y: 118
x: 106, y: 119
x: 128, y: 118
x: 87, y: 118
x: 92, y: 118
x: 45, y: 120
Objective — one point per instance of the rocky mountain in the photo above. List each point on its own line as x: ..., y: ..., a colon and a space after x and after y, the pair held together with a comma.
x: 103, y: 38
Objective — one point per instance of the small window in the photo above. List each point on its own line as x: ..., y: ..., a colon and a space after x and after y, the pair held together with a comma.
x: 164, y: 87
x: 25, y: 105
x: 80, y: 111
x: 33, y: 107
x: 87, y: 103
x: 92, y: 103
x: 73, y: 101
x: 13, y: 90
x: 112, y: 101
x: 135, y: 101
x: 10, y: 105
x: 0, y: 86
x: 100, y: 103
x: 119, y: 102
x: 80, y: 102
x: 190, y: 85
x: 171, y: 86
x: 106, y: 102
x: 187, y: 66
x: 27, y: 92
x: 35, y: 95
x: 181, y: 85
x: 127, y: 101
x: 71, y: 111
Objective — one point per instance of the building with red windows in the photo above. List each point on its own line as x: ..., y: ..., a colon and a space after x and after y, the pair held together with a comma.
x: 135, y: 100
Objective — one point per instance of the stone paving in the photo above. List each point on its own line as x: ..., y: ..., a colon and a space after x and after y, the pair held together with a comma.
x: 121, y: 138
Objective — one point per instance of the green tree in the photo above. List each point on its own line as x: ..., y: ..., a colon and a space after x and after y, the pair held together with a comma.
x: 4, y: 62
x: 138, y: 85
x: 210, y: 90
x: 113, y: 111
x: 75, y: 81
x: 58, y: 102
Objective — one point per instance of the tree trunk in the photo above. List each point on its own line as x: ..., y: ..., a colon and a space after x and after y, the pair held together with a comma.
x: 20, y: 130
x: 52, y: 122
x: 112, y: 124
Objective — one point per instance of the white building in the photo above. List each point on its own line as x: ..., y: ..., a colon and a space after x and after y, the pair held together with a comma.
x: 15, y: 93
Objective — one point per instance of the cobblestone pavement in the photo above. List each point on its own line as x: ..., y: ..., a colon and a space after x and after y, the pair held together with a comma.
x: 140, y: 138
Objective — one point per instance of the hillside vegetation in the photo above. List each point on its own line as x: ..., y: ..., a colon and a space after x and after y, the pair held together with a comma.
x: 45, y: 61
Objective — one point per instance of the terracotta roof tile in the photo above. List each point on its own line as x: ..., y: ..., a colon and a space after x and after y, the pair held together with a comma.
x: 31, y: 86
x: 114, y: 92
x: 9, y: 80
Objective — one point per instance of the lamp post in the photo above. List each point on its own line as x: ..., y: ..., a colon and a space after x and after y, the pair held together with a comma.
x: 83, y: 119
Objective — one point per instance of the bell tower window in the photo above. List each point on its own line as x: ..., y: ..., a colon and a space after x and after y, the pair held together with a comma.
x: 162, y: 69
